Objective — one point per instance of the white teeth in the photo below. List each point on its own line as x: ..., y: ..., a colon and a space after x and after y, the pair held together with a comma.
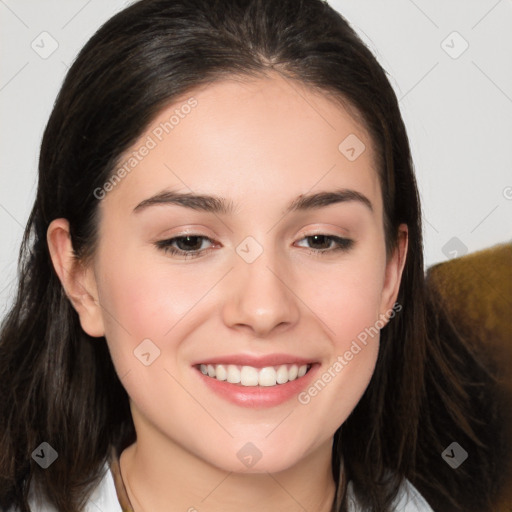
x: 268, y: 377
x: 221, y: 372
x: 233, y: 374
x: 283, y: 376
x: 250, y: 376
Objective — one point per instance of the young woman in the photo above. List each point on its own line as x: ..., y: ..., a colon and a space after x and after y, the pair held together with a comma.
x: 221, y: 302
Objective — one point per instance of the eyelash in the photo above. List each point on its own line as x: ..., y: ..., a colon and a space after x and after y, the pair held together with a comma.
x: 342, y: 244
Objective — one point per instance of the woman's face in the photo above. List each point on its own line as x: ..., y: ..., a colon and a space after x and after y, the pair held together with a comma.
x: 286, y: 268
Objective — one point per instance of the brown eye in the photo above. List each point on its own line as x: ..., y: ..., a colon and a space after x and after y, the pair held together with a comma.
x: 189, y: 243
x: 188, y: 246
x: 320, y: 243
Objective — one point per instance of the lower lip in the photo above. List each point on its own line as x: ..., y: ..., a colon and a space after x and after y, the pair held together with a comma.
x: 258, y: 397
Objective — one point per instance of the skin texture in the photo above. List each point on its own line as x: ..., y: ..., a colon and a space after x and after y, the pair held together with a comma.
x: 260, y: 144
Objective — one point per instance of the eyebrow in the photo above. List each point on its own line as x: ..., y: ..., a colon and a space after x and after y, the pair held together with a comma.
x: 219, y: 205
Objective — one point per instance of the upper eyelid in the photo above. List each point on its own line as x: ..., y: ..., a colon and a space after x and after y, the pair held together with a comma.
x: 314, y: 231
x: 318, y: 228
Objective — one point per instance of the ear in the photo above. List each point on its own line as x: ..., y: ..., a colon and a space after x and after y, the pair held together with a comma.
x: 79, y: 282
x: 394, y: 268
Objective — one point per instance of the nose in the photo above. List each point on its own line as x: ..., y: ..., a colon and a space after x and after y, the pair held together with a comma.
x: 260, y: 297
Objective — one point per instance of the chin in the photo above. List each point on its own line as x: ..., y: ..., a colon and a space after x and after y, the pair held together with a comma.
x: 257, y: 457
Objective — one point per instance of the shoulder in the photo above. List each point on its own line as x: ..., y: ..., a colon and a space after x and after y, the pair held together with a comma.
x: 103, y: 498
x: 408, y: 499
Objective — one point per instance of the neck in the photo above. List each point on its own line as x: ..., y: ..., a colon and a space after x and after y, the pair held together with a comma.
x: 164, y: 477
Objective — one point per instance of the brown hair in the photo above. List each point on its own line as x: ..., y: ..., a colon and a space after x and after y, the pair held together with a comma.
x: 426, y: 391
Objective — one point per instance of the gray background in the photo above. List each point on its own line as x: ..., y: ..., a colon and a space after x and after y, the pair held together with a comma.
x: 456, y: 103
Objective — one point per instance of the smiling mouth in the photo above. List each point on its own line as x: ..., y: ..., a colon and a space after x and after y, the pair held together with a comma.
x: 250, y: 376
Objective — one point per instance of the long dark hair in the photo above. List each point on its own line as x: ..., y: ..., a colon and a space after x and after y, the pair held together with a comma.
x: 54, y: 377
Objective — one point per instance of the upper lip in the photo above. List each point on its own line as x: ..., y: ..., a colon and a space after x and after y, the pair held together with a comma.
x: 256, y: 361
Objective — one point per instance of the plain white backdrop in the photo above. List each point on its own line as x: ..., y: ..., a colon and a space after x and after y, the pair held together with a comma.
x: 450, y: 63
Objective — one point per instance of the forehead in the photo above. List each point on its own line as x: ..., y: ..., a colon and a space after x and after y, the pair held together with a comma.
x: 269, y: 137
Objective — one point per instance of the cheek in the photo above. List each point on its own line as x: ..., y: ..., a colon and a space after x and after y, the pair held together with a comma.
x: 346, y: 297
x: 145, y: 308
x: 146, y: 294
x: 141, y: 298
